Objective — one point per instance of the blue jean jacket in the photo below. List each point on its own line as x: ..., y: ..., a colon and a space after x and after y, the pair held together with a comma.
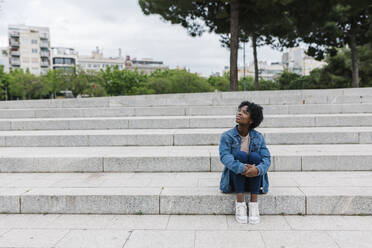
x: 229, y: 146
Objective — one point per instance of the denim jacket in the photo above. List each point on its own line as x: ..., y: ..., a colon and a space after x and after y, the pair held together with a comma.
x: 229, y: 146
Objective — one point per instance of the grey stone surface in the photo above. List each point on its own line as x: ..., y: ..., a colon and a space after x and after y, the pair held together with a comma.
x: 338, y: 200
x: 75, y: 221
x: 51, y: 164
x: 88, y: 200
x: 45, y: 140
x: 350, y: 239
x: 330, y: 222
x: 351, y: 157
x: 158, y: 154
x: 212, y: 201
x: 197, y: 222
x: 9, y: 200
x: 267, y: 222
x: 181, y: 137
x: 179, y: 122
x: 92, y: 230
x: 337, y: 162
x: 31, y: 238
x: 32, y: 221
x: 160, y: 239
x: 142, y: 222
x: 224, y: 110
x: 94, y: 238
x: 195, y: 201
x: 183, y: 193
x: 165, y: 164
x: 303, y: 239
x: 287, y: 163
x: 228, y: 239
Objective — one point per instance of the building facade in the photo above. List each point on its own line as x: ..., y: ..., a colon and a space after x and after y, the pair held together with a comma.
x: 145, y: 65
x: 63, y: 58
x: 29, y: 48
x: 296, y: 61
x: 96, y: 61
x: 267, y: 71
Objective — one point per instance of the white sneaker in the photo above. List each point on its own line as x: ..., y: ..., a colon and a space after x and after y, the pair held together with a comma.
x: 241, y: 212
x: 254, y: 214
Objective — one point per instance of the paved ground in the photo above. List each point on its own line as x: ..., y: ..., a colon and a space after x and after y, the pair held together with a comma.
x: 57, y: 230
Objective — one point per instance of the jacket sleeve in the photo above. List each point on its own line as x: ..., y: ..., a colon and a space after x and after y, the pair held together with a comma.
x: 263, y: 167
x: 227, y: 158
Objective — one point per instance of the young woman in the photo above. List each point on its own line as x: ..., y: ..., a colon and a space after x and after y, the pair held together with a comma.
x: 246, y: 159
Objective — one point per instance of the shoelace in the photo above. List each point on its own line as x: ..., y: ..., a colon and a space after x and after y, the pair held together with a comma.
x: 241, y: 210
x: 253, y: 210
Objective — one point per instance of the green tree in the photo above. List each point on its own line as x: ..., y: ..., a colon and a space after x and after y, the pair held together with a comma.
x: 329, y: 24
x: 220, y: 83
x: 219, y: 16
x: 178, y: 81
x: 4, y: 84
x: 123, y: 82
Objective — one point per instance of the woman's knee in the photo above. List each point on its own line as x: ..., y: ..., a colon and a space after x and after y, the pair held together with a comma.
x: 255, y: 158
x: 242, y: 157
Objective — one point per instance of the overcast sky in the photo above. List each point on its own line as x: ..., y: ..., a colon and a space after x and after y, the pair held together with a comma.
x: 114, y: 24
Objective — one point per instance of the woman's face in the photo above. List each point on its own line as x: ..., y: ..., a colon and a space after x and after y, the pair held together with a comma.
x: 243, y: 117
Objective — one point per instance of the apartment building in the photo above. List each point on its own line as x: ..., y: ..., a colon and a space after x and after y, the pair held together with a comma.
x: 295, y: 60
x: 64, y: 58
x: 145, y: 65
x: 29, y: 48
x: 97, y: 61
x: 267, y: 71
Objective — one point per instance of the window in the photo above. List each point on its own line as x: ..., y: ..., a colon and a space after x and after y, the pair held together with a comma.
x: 34, y: 50
x: 33, y: 41
x: 69, y: 61
x: 58, y: 60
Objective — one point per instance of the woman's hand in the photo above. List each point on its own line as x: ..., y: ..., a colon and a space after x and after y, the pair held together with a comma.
x: 250, y: 170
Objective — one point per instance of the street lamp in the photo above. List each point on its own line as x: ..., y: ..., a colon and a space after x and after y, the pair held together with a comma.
x: 244, y: 84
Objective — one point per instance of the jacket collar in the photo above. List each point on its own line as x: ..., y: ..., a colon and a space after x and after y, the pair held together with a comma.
x: 236, y: 133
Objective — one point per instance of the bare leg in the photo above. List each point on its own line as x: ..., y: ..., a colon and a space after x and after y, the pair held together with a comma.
x: 254, y: 197
x: 239, y: 197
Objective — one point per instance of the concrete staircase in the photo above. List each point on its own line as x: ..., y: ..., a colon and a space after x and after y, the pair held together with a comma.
x: 158, y: 154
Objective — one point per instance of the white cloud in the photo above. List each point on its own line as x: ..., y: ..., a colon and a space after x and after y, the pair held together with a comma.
x: 113, y: 24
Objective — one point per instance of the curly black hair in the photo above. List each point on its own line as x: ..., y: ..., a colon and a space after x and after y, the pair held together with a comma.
x: 255, y: 112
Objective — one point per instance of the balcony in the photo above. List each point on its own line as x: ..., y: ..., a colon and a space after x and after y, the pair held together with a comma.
x: 44, y: 54
x: 44, y: 71
x: 15, y: 62
x: 15, y: 53
x: 14, y: 34
x: 44, y: 36
x: 14, y: 43
x: 45, y: 63
x: 44, y: 44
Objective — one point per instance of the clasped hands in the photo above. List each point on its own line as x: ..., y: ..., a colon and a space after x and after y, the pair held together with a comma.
x: 250, y: 170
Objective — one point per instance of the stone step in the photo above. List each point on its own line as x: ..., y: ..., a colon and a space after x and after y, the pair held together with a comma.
x: 334, y: 193
x: 336, y: 157
x: 320, y: 96
x: 180, y: 137
x: 175, y: 122
x: 183, y: 231
x: 200, y: 110
x: 186, y: 231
